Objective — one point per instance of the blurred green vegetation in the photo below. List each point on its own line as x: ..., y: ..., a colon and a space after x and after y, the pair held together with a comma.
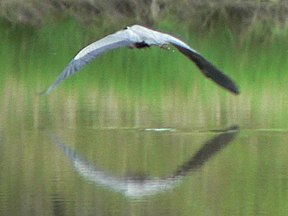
x: 33, y: 56
x: 163, y: 84
x: 147, y: 88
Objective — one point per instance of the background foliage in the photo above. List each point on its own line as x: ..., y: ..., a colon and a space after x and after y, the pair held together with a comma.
x: 242, y: 16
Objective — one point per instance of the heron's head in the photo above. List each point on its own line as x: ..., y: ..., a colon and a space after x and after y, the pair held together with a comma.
x: 125, y: 28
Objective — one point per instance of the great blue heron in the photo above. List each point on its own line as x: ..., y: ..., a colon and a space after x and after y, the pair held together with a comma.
x: 138, y: 36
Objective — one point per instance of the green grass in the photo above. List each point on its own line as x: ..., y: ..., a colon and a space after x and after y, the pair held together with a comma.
x: 157, y: 78
x: 47, y: 51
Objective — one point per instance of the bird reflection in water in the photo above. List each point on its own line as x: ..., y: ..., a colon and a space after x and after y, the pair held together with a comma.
x: 138, y: 186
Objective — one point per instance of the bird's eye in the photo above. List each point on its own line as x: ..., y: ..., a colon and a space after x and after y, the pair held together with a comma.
x: 125, y: 28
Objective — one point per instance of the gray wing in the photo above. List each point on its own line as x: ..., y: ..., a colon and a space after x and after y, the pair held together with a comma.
x: 206, y: 67
x: 92, y: 51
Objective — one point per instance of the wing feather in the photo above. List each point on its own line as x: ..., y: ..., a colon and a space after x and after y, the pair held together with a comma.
x: 90, y: 52
x: 206, y: 67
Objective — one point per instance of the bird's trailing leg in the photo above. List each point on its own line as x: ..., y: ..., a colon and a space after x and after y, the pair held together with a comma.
x: 165, y: 46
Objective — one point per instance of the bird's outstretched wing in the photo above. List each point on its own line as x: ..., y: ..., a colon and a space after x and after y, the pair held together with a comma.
x: 139, y: 35
x: 119, y: 39
x: 206, y: 67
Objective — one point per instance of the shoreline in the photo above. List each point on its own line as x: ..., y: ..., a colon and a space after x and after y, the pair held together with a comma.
x: 238, y: 15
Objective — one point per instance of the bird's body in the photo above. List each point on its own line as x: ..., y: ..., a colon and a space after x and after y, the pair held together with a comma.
x: 138, y: 36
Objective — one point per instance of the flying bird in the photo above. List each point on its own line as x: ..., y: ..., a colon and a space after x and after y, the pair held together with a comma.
x: 138, y: 36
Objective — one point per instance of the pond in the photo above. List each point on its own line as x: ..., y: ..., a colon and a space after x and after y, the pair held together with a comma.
x: 141, y: 132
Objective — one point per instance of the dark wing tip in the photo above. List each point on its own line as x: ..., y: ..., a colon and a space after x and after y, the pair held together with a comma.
x: 235, y: 90
x: 209, y: 70
x: 223, y: 80
x: 219, y: 77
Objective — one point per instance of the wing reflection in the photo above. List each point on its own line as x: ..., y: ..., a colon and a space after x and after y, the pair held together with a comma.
x: 209, y: 149
x: 133, y: 187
